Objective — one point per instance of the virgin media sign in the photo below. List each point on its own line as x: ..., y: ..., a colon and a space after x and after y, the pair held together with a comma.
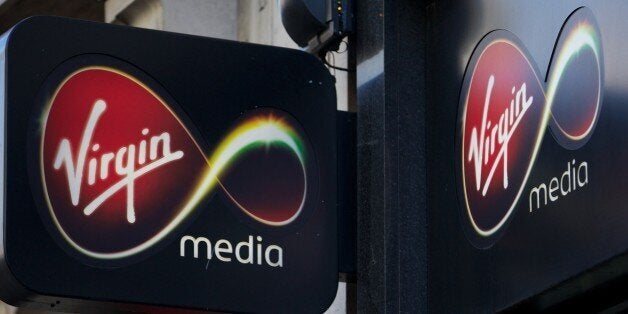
x: 136, y: 175
x: 507, y: 105
x: 128, y: 170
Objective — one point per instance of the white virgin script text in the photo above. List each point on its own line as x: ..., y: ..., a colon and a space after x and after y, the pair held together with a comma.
x: 482, y: 147
x: 124, y: 162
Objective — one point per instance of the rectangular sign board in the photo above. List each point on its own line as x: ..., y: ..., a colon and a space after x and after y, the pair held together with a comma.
x: 528, y: 151
x: 144, y: 167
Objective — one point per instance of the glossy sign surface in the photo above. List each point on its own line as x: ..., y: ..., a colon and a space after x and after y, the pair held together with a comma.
x: 161, y: 169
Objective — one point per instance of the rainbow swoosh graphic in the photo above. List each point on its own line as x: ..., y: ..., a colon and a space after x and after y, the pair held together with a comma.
x: 253, y: 133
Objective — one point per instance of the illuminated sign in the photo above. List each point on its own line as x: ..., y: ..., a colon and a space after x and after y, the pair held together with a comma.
x: 506, y: 106
x: 192, y: 177
x: 113, y: 154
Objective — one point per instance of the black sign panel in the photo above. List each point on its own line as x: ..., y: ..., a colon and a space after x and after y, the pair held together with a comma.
x: 153, y: 168
x: 527, y: 149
